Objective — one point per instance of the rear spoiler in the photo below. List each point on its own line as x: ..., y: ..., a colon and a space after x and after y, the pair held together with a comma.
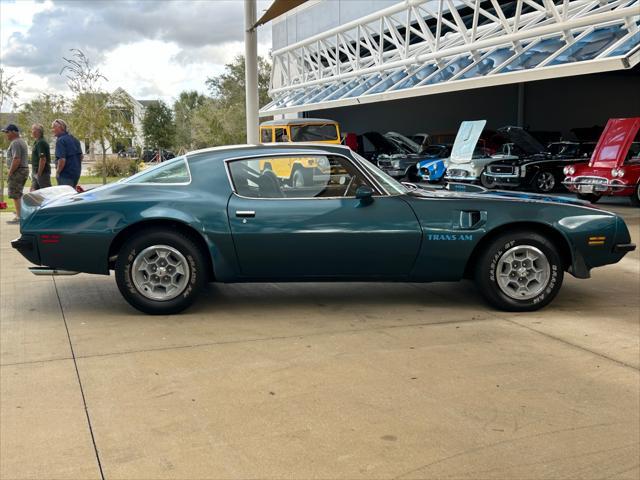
x: 43, y: 196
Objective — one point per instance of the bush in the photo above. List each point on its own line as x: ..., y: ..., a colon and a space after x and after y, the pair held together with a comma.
x: 116, y: 167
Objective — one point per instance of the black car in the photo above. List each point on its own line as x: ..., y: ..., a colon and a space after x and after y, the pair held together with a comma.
x: 539, y: 168
x: 391, y: 156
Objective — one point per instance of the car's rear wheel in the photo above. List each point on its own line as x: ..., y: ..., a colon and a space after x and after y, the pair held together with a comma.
x: 160, y: 272
x: 589, y: 197
x: 544, y: 182
x: 519, y: 272
x: 635, y: 198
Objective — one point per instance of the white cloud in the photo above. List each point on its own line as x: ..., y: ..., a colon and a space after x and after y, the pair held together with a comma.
x: 151, y: 49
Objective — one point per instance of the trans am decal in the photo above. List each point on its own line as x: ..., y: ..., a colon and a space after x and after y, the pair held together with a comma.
x: 450, y: 237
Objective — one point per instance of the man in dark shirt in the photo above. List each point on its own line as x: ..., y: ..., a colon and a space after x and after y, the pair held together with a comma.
x: 68, y: 155
x: 40, y: 159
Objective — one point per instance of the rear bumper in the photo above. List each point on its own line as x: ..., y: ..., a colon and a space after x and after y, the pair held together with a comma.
x: 28, y: 248
x: 624, y: 247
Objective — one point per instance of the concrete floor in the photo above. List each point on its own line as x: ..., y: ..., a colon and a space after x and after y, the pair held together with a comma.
x: 319, y: 380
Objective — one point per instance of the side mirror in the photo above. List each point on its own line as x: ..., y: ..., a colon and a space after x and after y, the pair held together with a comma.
x: 364, y: 193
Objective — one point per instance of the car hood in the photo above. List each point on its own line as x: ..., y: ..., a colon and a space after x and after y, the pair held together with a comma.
x: 523, y: 140
x: 614, y: 143
x: 466, y: 141
x: 498, y: 195
x: 430, y: 161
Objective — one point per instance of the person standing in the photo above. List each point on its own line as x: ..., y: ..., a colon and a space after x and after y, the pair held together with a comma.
x: 18, y: 165
x: 68, y: 155
x: 40, y: 159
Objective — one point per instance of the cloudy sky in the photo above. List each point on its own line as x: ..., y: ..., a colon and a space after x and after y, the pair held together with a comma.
x: 151, y: 48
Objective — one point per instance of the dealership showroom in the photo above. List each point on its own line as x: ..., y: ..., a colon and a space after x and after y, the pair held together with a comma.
x: 463, y: 303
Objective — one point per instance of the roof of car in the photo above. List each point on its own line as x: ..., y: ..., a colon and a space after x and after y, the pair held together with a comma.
x: 229, y: 151
x: 296, y: 121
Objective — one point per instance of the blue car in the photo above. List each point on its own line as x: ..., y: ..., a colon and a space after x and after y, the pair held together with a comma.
x: 432, y: 168
x: 226, y: 215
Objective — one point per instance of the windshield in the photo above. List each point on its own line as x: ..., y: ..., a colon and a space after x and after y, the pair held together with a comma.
x: 314, y: 132
x: 391, y: 185
x: 563, y: 149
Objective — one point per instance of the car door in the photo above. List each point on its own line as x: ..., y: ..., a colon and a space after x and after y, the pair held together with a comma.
x: 320, y: 230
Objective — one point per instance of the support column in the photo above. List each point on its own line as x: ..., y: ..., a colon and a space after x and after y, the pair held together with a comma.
x: 521, y: 104
x: 251, y: 70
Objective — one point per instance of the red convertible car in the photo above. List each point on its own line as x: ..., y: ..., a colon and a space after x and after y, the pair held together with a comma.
x: 614, y: 168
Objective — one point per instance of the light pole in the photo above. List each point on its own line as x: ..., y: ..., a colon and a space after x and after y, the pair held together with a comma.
x: 251, y: 70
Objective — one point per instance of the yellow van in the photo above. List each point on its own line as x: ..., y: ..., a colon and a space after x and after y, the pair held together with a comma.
x: 298, y: 172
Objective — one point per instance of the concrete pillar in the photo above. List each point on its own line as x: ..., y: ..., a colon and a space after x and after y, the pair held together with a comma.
x: 521, y: 100
x: 251, y: 70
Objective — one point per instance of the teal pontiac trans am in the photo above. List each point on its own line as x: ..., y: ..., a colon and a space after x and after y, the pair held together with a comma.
x: 225, y: 215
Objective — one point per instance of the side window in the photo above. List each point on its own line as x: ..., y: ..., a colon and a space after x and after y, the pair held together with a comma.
x: 297, y: 176
x: 172, y: 171
x: 265, y: 135
x: 281, y: 135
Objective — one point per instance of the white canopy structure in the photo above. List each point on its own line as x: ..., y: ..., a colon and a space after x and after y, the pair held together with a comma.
x: 424, y: 47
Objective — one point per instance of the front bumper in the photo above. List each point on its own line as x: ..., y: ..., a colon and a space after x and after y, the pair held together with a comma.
x: 608, y: 187
x: 457, y: 178
x: 28, y: 248
x: 504, y: 180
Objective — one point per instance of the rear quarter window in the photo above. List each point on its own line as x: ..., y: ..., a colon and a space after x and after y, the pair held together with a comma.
x: 175, y: 171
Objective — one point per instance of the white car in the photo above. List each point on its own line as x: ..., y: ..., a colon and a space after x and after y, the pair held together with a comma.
x: 467, y: 160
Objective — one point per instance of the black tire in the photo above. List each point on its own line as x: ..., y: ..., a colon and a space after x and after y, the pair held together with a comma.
x: 493, y: 257
x: 589, y: 197
x: 635, y: 198
x: 301, y: 177
x: 486, y: 182
x: 544, y: 182
x: 412, y: 175
x: 194, y: 278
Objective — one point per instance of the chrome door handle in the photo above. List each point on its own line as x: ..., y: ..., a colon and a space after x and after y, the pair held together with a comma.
x: 245, y: 213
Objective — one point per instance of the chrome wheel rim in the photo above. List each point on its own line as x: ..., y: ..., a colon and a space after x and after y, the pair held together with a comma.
x: 523, y: 272
x: 160, y: 272
x: 546, y: 181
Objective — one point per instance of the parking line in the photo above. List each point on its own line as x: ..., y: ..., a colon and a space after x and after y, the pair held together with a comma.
x: 75, y: 364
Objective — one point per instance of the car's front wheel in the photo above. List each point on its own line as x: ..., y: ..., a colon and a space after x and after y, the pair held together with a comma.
x: 519, y: 272
x: 487, y: 182
x: 635, y: 198
x: 544, y: 182
x: 160, y: 272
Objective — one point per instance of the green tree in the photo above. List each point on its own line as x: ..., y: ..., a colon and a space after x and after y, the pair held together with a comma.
x: 226, y: 109
x: 158, y: 126
x: 8, y: 89
x: 43, y: 109
x: 184, y: 109
x: 96, y: 116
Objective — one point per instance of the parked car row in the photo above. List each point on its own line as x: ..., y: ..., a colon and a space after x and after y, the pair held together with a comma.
x: 610, y: 167
x: 507, y: 158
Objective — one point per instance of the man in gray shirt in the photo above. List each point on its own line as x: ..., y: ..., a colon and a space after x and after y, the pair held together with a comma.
x: 18, y: 165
